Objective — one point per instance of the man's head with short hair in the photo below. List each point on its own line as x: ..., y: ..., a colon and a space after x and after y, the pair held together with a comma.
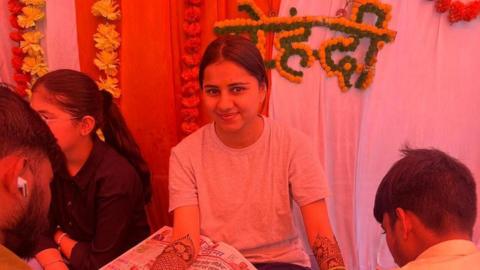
x: 427, y: 192
x: 27, y: 151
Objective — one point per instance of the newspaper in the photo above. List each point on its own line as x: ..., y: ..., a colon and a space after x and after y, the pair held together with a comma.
x: 212, y: 255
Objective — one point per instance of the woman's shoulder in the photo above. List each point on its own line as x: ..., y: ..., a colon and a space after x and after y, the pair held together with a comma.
x: 284, y: 132
x: 115, y: 167
x: 193, y: 141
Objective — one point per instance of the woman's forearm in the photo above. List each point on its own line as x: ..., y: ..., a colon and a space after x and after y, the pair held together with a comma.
x: 65, y: 243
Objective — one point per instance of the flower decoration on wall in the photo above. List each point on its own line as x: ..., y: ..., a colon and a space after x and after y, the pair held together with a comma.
x: 28, y: 58
x: 292, y: 35
x: 190, y: 91
x: 107, y: 41
x: 458, y: 10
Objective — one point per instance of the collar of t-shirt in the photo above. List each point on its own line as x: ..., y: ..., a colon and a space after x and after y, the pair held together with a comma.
x: 457, y: 247
x: 216, y: 140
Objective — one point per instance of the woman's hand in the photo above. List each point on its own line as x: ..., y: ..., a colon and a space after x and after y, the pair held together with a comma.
x: 181, y: 253
x: 320, y: 236
x: 51, y: 259
x: 58, y: 236
x: 64, y: 242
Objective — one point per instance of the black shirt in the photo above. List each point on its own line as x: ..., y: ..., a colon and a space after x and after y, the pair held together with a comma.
x: 102, y: 207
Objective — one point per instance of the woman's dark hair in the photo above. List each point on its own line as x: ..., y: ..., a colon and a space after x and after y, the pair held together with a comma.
x: 236, y: 49
x: 79, y: 95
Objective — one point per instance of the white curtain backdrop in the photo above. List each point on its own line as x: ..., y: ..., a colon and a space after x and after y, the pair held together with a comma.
x: 425, y: 93
x: 61, y: 45
x: 60, y: 42
x: 6, y: 71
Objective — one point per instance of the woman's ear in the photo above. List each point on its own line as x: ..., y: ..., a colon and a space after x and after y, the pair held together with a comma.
x: 263, y: 86
x: 263, y: 92
x: 87, y: 124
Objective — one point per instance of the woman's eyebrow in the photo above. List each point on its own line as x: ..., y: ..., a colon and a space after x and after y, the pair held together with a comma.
x: 238, y: 84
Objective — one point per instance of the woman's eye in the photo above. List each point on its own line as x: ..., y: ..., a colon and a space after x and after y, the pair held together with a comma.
x: 211, y: 91
x: 237, y: 89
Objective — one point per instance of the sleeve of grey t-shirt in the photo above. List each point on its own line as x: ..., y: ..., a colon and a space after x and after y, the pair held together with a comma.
x: 307, y: 179
x: 181, y: 181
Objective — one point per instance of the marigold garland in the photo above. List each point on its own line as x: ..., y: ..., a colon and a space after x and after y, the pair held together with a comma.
x: 293, y: 33
x: 190, y: 91
x: 458, y: 10
x: 28, y: 58
x: 107, y: 41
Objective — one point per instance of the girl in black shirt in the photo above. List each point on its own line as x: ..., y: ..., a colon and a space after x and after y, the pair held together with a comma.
x: 98, y: 208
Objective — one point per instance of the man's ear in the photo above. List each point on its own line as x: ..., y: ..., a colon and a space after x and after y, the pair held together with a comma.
x: 15, y: 166
x: 405, y: 222
x: 87, y: 124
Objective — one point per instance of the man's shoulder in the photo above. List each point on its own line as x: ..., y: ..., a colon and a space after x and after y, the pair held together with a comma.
x: 8, y: 260
x: 447, y: 255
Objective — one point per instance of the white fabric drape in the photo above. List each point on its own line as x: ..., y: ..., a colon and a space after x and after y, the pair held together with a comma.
x: 61, y: 35
x: 60, y: 42
x: 6, y: 70
x: 425, y: 93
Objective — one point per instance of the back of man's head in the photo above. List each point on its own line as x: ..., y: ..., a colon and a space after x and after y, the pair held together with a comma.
x: 437, y: 188
x: 23, y: 130
x: 28, y: 153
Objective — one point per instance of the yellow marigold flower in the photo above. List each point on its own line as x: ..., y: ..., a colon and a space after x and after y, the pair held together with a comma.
x: 29, y: 93
x: 29, y: 16
x: 107, y: 38
x: 296, y: 79
x: 34, y: 65
x: 33, y: 36
x: 39, y: 3
x: 359, y: 68
x: 110, y: 84
x: 107, y: 9
x: 107, y: 61
x: 31, y: 43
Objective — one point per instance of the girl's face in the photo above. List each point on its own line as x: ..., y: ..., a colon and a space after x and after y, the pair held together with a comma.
x: 232, y: 97
x: 64, y: 126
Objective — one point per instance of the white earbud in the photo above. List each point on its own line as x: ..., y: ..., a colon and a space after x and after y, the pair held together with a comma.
x: 22, y: 186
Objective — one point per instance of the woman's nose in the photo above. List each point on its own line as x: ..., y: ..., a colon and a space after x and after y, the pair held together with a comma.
x: 225, y: 102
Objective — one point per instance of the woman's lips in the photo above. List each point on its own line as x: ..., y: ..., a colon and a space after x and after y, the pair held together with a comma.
x: 227, y: 116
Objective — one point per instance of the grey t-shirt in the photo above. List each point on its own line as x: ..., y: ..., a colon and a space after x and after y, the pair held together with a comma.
x: 245, y: 195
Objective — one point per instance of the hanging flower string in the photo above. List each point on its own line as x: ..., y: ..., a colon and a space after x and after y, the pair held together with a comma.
x: 28, y: 58
x: 458, y: 10
x: 293, y: 33
x: 107, y: 41
x: 190, y: 61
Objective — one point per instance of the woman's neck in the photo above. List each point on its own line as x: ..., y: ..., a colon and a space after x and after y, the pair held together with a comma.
x: 245, y: 137
x: 77, y: 156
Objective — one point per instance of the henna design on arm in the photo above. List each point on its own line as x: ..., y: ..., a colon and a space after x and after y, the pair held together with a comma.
x: 327, y: 253
x: 178, y: 255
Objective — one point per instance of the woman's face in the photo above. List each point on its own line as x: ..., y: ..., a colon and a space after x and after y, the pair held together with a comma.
x: 63, y: 125
x: 232, y: 98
